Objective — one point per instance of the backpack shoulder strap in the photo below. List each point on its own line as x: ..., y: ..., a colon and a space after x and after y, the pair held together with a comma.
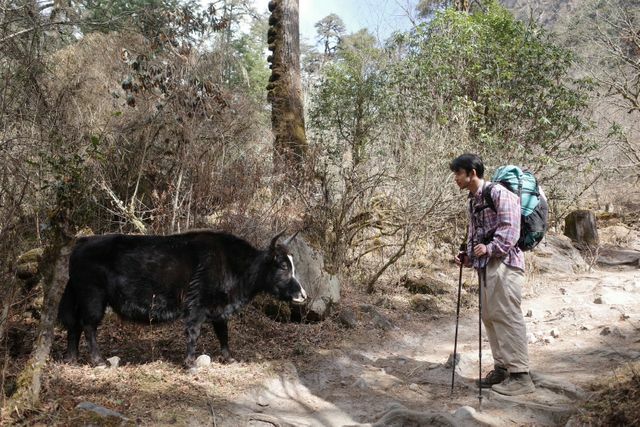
x: 486, y: 194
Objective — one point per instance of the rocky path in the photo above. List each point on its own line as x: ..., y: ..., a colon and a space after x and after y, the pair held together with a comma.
x: 581, y: 326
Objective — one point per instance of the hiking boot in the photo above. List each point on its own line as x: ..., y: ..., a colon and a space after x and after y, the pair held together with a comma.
x: 515, y: 385
x: 496, y: 376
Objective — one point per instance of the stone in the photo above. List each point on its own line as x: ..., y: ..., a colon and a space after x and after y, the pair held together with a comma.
x: 323, y: 288
x: 347, y: 318
x: 203, y: 361
x: 556, y: 254
x: 113, y: 361
x: 100, y: 411
x: 378, y: 319
x: 464, y: 412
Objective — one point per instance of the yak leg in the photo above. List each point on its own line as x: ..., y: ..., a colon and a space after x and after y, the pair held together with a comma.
x: 94, y: 352
x: 222, y: 332
x: 73, y: 343
x: 194, y: 323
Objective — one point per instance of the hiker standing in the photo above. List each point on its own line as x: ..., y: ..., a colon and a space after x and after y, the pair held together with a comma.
x: 492, y: 251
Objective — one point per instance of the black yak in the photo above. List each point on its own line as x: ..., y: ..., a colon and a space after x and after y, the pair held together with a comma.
x: 199, y: 275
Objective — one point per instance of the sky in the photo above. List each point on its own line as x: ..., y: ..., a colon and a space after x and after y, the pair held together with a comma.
x: 381, y: 17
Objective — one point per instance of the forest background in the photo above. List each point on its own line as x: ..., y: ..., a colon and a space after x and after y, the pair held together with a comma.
x: 153, y: 117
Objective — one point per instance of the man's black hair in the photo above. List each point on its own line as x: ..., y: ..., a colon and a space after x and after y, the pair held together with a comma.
x: 468, y: 162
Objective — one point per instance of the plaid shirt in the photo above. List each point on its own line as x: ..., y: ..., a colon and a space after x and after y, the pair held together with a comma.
x: 499, y: 230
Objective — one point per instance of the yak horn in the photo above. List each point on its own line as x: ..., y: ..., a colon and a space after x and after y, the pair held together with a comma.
x: 290, y: 239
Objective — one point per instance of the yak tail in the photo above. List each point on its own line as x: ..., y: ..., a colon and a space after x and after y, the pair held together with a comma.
x: 67, y: 309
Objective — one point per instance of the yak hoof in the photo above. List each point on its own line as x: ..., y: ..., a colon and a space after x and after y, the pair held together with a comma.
x: 71, y: 359
x: 226, y: 360
x: 190, y: 362
x: 99, y: 363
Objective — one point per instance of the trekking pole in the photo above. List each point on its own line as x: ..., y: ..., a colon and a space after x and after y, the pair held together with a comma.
x: 482, y: 276
x: 461, y: 254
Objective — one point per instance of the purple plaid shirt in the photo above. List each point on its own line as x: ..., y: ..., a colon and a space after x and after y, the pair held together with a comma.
x: 503, y: 224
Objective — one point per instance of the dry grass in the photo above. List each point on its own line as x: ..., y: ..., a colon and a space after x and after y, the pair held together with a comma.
x: 151, y: 387
x: 616, y: 399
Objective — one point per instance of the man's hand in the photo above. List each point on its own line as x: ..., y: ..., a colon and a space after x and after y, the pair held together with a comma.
x: 480, y: 250
x: 462, y: 258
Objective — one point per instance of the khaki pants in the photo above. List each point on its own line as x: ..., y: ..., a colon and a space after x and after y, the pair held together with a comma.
x: 502, y: 316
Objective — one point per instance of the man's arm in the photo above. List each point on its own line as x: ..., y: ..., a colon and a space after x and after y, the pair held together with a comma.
x: 508, y: 222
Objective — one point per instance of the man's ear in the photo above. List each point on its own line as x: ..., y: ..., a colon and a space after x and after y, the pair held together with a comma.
x: 473, y: 173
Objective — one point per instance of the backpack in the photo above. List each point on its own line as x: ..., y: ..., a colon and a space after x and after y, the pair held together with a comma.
x: 534, y: 207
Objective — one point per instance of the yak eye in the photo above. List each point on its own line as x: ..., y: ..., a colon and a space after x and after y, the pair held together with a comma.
x: 284, y: 265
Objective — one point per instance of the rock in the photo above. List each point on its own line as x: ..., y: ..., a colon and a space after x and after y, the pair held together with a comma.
x: 529, y: 314
x: 468, y: 416
x: 605, y: 331
x: 464, y: 412
x: 262, y: 401
x: 323, y: 289
x: 424, y: 303
x: 347, y: 318
x: 33, y: 255
x: 378, y: 319
x: 423, y: 284
x: 554, y: 333
x: 467, y: 363
x: 113, y: 361
x: 611, y: 256
x: 549, y: 340
x: 100, y: 411
x: 203, y: 361
x: 27, y: 270
x: 556, y: 254
x: 414, y: 387
x: 557, y: 385
x: 598, y: 300
x: 616, y: 332
x: 399, y: 416
x: 532, y: 338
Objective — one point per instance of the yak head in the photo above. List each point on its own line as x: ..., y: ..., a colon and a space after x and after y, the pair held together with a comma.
x: 280, y: 272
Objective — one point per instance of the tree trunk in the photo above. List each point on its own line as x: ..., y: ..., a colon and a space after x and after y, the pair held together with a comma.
x: 285, y: 86
x: 56, y: 262
x: 462, y: 5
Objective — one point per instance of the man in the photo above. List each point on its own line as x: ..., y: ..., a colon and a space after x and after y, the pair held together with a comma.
x: 492, y: 250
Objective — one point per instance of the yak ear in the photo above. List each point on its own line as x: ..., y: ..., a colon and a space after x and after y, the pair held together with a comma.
x: 274, y: 241
x: 290, y: 239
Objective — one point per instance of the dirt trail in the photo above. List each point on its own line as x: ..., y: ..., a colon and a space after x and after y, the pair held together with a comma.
x: 581, y: 326
x: 389, y: 370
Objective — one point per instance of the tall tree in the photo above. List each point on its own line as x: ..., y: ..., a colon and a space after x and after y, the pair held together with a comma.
x: 606, y: 33
x: 285, y: 86
x: 426, y: 8
x: 509, y: 81
x: 330, y: 31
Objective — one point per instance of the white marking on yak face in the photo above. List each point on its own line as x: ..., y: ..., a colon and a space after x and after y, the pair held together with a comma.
x: 303, y: 294
x: 293, y: 267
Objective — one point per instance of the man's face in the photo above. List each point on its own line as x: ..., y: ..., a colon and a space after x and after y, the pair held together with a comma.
x: 462, y: 178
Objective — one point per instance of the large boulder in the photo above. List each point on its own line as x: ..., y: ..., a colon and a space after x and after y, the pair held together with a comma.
x: 556, y: 254
x: 323, y: 289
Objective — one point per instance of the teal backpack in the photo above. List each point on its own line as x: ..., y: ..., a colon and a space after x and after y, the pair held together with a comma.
x: 534, y: 207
